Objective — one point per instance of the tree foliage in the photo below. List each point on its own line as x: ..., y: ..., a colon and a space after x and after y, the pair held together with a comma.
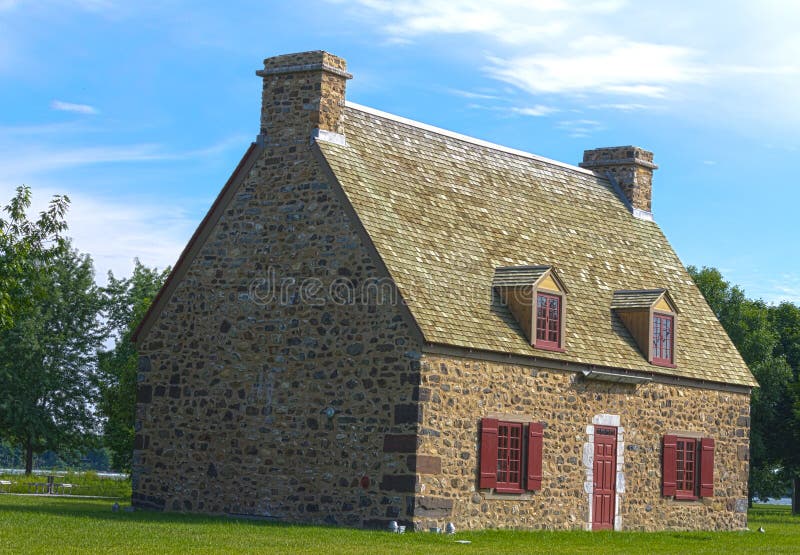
x: 127, y: 302
x: 768, y: 338
x: 48, y: 353
x: 22, y: 242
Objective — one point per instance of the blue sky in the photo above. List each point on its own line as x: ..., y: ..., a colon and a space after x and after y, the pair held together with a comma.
x: 140, y: 110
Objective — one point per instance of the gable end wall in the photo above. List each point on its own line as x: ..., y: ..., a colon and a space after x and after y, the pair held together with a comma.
x: 273, y: 325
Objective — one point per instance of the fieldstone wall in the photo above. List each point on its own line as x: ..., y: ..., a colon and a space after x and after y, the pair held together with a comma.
x: 279, y: 380
x: 278, y: 402
x: 458, y: 392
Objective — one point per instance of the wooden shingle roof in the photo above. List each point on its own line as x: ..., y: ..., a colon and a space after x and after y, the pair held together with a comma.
x: 640, y: 298
x: 518, y: 276
x: 444, y: 212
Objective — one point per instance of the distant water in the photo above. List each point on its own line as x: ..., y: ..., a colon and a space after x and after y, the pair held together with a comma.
x: 781, y: 501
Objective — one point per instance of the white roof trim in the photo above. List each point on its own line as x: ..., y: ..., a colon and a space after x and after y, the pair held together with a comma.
x: 328, y: 137
x: 468, y: 139
x: 643, y: 214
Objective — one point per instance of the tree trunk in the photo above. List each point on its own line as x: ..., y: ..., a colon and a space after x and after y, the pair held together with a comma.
x: 796, y: 496
x: 29, y: 457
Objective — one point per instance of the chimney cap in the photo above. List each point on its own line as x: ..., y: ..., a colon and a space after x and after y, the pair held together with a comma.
x: 617, y: 156
x: 313, y: 60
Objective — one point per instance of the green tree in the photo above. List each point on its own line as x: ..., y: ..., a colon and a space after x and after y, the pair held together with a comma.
x: 786, y: 320
x: 22, y: 242
x: 48, y: 355
x: 752, y: 328
x: 127, y: 301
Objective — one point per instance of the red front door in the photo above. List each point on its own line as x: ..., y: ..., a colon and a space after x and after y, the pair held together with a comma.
x: 605, y: 474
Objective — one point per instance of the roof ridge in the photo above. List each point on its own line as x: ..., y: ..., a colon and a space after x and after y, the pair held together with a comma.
x: 468, y: 139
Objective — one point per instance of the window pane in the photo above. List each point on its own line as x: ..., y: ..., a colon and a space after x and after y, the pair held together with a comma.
x: 541, y: 318
x: 686, y: 461
x: 548, y: 318
x: 509, y: 455
x: 657, y: 337
x: 662, y: 338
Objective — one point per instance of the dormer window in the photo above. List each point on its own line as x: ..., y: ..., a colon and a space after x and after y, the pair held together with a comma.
x: 548, y: 321
x: 536, y: 297
x: 650, y: 316
x: 663, y: 337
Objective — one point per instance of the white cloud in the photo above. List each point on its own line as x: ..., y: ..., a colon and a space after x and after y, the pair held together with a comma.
x: 599, y: 65
x: 118, y: 227
x: 624, y: 106
x: 775, y: 292
x: 513, y: 22
x: 71, y: 107
x: 579, y: 128
x: 115, y: 231
x: 27, y: 152
x: 536, y: 111
x: 472, y: 94
x: 95, y: 5
x: 32, y: 160
x: 742, y: 70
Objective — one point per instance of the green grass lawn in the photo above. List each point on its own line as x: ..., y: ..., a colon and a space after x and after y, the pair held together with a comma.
x: 71, y: 525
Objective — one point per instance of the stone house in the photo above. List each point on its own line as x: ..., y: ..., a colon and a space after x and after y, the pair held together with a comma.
x: 381, y: 320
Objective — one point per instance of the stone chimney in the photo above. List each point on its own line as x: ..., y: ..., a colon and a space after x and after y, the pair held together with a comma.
x: 632, y: 169
x: 303, y: 97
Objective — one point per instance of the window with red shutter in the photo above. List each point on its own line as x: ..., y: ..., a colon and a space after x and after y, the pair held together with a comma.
x: 510, y: 456
x: 687, y: 467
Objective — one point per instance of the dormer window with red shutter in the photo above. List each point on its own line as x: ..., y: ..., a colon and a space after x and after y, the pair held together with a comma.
x: 510, y: 456
x: 536, y: 297
x: 650, y: 315
x: 687, y: 467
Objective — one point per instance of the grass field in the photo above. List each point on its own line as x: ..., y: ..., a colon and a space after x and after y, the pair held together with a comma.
x: 71, y: 525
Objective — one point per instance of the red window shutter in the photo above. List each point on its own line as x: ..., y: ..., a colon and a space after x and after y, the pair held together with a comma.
x: 488, y: 453
x: 668, y: 466
x: 535, y: 443
x: 707, y: 467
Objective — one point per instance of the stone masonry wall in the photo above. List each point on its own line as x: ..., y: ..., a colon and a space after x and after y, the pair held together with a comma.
x: 458, y: 392
x: 279, y: 380
x: 235, y: 385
